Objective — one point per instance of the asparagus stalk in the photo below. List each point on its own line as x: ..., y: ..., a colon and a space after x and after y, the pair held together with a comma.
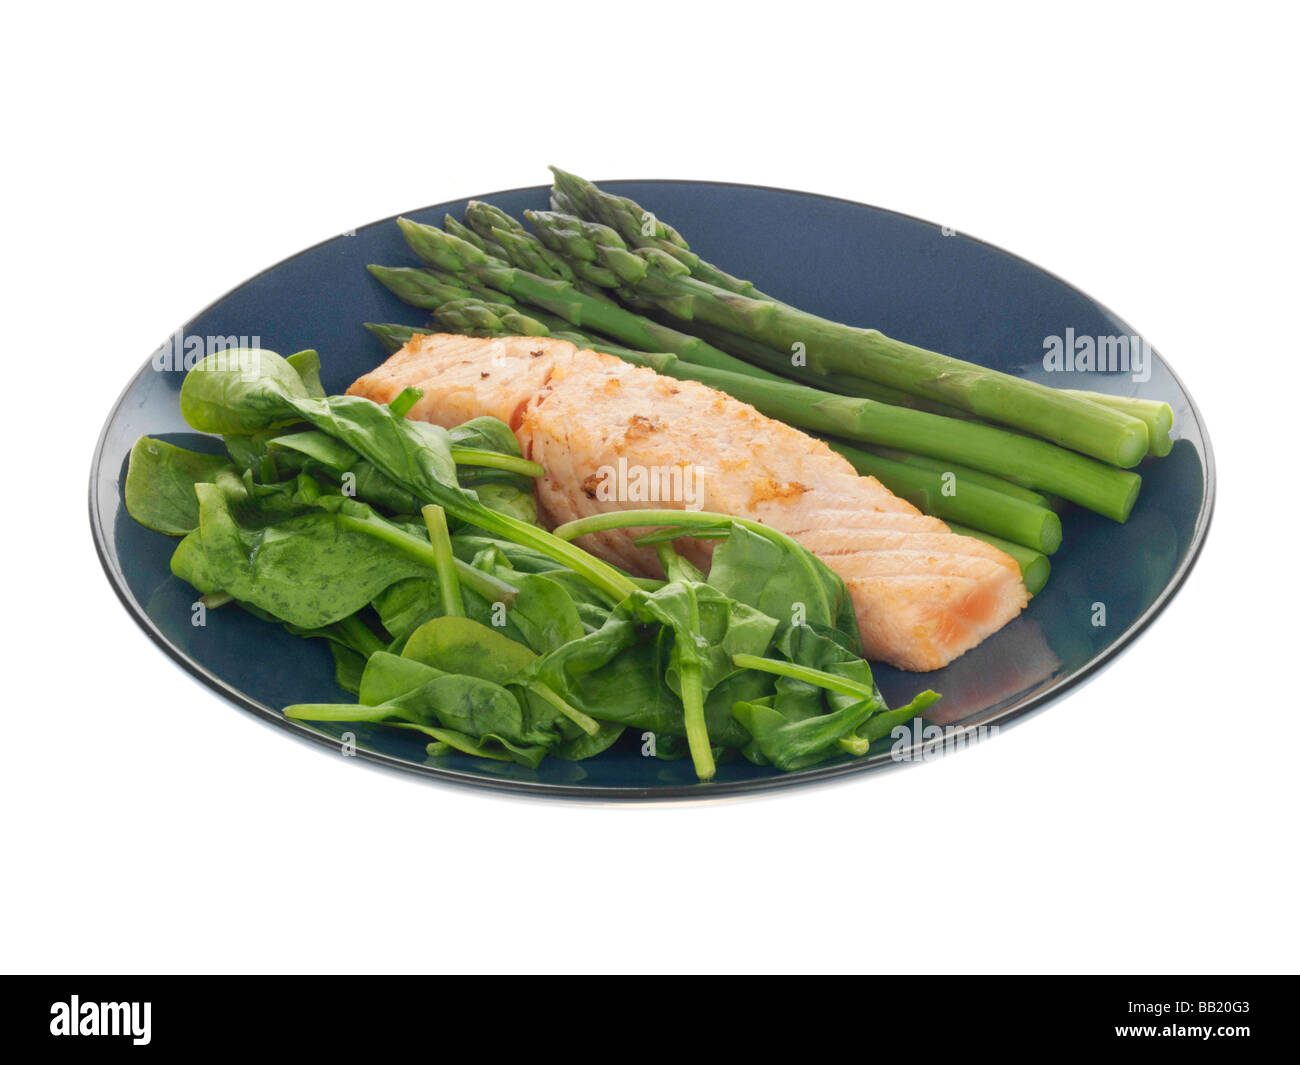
x: 1108, y: 491
x: 562, y: 298
x: 1040, y: 465
x: 488, y: 247
x: 641, y: 229
x: 516, y: 243
x: 845, y: 384
x: 833, y: 348
x: 1034, y: 566
x: 966, y: 474
x: 494, y: 319
x: 1035, y: 527
x: 1159, y: 417
x: 430, y: 288
x: 393, y: 336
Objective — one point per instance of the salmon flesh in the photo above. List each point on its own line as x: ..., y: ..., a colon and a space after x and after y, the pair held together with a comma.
x: 618, y: 437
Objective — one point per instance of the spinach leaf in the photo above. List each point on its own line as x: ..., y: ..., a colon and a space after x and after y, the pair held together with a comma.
x: 306, y: 365
x: 819, y: 649
x: 630, y: 670
x: 240, y: 391
x: 418, y: 694
x: 826, y: 702
x: 487, y: 434
x: 796, y: 743
x: 349, y: 667
x: 782, y: 579
x: 460, y: 644
x: 244, y: 390
x: 585, y: 746
x: 510, y: 500
x: 490, y: 746
x: 318, y: 452
x: 160, y: 480
x: 310, y: 570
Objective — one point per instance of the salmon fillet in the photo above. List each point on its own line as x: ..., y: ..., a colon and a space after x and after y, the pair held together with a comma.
x: 922, y: 594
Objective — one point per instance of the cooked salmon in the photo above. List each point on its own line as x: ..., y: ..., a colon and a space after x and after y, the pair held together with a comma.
x: 922, y: 594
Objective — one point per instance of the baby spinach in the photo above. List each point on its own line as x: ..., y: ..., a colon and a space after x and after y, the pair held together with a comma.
x: 310, y: 570
x: 757, y: 565
x: 498, y: 639
x: 245, y: 390
x: 791, y: 729
x: 306, y: 364
x: 451, y: 643
x: 443, y: 705
x: 160, y: 480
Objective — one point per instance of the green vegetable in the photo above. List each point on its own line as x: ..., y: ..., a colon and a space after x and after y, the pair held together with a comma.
x: 435, y: 518
x: 453, y: 643
x: 242, y: 390
x: 312, y: 569
x: 445, y: 706
x: 559, y: 297
x: 680, y: 284
x: 1034, y: 567
x: 947, y: 496
x: 782, y: 363
x: 160, y: 480
x: 965, y: 475
x: 306, y: 364
x: 658, y: 275
x: 1158, y: 416
x: 765, y: 569
x: 514, y: 644
x: 392, y: 336
x: 427, y: 288
x: 789, y: 729
x: 512, y: 240
x: 632, y: 221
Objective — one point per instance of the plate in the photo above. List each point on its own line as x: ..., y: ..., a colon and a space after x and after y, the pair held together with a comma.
x: 848, y: 261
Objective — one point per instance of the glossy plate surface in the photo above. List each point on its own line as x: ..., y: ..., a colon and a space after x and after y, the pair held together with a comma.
x: 843, y: 260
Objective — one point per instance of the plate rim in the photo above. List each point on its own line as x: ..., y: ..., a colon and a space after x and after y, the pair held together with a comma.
x: 920, y: 750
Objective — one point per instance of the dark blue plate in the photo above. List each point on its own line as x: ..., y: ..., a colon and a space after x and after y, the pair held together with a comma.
x: 858, y: 264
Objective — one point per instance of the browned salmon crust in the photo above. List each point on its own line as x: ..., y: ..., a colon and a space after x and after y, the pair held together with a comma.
x: 922, y: 594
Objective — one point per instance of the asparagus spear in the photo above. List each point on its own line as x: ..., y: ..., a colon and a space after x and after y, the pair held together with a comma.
x: 1034, y: 566
x: 1040, y: 465
x: 1013, y: 519
x: 833, y: 348
x: 392, y: 335
x: 641, y: 229
x: 490, y: 247
x: 1092, y: 484
x: 559, y: 297
x: 576, y: 196
x: 430, y: 288
x: 845, y: 384
x: 967, y: 475
x: 516, y: 243
x: 494, y: 319
x: 1159, y: 417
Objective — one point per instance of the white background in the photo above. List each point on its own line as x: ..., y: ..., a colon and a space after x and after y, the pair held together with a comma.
x: 157, y: 156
